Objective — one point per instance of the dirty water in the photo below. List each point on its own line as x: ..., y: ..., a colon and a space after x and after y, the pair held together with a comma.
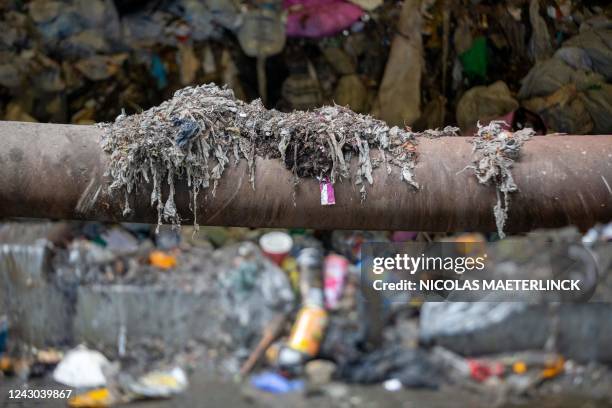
x: 207, y: 391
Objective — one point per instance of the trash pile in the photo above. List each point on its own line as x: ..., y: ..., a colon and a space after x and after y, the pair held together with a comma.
x: 532, y: 63
x: 82, y: 368
x: 84, y: 61
x: 283, y: 312
x: 555, y: 78
x: 130, y: 313
x: 571, y: 91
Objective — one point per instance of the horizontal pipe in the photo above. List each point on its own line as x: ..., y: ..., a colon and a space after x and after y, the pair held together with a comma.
x: 57, y: 171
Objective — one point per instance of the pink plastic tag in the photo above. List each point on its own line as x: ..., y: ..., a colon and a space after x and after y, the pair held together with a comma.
x: 327, y: 192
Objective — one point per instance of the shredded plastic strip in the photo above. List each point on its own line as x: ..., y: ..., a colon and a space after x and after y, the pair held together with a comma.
x: 495, y: 151
x: 194, y: 136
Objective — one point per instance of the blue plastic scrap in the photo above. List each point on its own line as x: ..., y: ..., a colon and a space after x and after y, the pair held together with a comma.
x: 158, y: 70
x: 188, y: 129
x: 275, y: 383
x: 3, y: 333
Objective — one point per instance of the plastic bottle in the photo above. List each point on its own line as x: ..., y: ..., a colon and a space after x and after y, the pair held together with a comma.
x: 311, y: 321
x: 306, y: 334
x: 310, y: 264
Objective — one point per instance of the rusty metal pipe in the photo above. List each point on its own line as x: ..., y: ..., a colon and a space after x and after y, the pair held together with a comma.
x: 54, y: 171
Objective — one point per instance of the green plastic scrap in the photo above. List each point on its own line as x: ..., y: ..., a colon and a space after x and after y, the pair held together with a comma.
x: 475, y: 60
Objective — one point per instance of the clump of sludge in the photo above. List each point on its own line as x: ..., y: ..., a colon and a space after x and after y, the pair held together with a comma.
x: 496, y: 150
x: 194, y: 135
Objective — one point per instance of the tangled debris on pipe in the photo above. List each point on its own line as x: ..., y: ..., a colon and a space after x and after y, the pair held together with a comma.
x: 495, y: 151
x: 194, y: 135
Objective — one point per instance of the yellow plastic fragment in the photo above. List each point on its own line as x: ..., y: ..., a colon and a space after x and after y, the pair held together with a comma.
x: 553, y: 368
x: 98, y: 398
x: 162, y: 260
x: 519, y: 367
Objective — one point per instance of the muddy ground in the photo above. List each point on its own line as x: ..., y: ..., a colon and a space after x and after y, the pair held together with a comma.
x: 207, y: 391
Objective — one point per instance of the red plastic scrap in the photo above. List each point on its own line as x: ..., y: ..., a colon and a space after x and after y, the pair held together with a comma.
x: 482, y: 370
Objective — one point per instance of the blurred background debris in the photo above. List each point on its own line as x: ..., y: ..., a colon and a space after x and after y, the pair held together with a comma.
x: 285, y: 307
x: 423, y: 64
x: 183, y: 313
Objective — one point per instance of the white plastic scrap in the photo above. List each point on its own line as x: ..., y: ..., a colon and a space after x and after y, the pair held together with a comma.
x: 81, y: 368
x: 392, y: 385
x: 160, y: 384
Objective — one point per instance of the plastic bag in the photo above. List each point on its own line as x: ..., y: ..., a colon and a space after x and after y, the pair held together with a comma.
x: 484, y: 103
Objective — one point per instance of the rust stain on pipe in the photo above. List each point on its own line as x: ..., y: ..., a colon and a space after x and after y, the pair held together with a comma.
x: 56, y: 171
